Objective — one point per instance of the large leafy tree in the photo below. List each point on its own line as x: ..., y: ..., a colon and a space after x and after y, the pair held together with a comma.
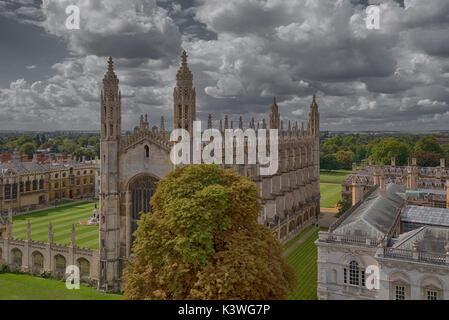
x: 428, y: 152
x: 202, y: 241
x: 385, y: 149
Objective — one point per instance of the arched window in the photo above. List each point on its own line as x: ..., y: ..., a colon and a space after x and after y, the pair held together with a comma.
x: 34, y: 185
x: 16, y: 257
x: 37, y: 261
x: 354, y: 273
x: 7, y: 191
x: 60, y: 264
x: 84, y: 267
x: 147, y: 151
x: 41, y: 184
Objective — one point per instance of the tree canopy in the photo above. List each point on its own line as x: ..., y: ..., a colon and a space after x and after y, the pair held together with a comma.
x: 203, y: 241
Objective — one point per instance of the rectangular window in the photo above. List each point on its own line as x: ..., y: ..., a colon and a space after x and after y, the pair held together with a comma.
x: 432, y: 295
x: 400, y: 292
x: 345, y: 280
x: 354, y: 276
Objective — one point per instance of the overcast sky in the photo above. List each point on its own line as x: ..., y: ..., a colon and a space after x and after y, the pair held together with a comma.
x: 242, y: 53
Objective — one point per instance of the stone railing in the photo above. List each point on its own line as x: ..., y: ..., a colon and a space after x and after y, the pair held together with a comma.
x: 413, y: 255
x: 349, y: 239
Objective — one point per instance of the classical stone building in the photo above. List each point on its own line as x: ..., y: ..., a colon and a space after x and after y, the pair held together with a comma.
x: 425, y: 185
x: 131, y: 165
x: 408, y: 244
x: 26, y: 185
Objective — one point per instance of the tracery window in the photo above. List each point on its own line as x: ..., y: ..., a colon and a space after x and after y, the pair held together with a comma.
x: 141, y: 191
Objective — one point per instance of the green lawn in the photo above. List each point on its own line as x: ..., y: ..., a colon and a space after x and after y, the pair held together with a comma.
x: 300, y: 235
x: 25, y: 287
x: 330, y: 194
x: 62, y: 220
x: 304, y: 260
x: 336, y: 176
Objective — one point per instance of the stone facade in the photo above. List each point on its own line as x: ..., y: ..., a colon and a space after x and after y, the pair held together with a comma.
x: 27, y: 185
x: 427, y: 184
x: 413, y: 263
x: 131, y: 165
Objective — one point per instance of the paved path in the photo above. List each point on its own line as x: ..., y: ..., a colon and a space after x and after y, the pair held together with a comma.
x: 299, y: 241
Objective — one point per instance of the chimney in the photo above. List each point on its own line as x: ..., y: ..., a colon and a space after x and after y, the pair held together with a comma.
x: 383, y: 184
x: 393, y: 161
x: 442, y: 163
x: 370, y: 161
x: 354, y: 167
x: 413, y: 161
x: 363, y: 164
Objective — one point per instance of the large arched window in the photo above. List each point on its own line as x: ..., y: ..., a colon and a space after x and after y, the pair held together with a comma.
x: 141, y: 190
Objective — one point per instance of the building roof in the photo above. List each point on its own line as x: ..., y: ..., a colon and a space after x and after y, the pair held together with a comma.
x: 375, y: 215
x: 427, y: 239
x: 426, y: 215
x: 28, y: 167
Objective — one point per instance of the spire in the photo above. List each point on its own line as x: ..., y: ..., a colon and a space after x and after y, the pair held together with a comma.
x: 184, y: 76
x: 209, y: 121
x: 226, y: 122
x: 274, y: 115
x: 251, y: 125
x: 240, y: 123
x: 72, y: 241
x: 28, y: 230
x: 162, y: 124
x: 110, y: 74
x: 50, y: 233
x: 221, y: 125
x: 314, y: 119
x: 264, y: 124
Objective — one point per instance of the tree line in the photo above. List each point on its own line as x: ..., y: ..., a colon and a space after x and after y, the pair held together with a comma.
x: 339, y: 152
x: 79, y: 145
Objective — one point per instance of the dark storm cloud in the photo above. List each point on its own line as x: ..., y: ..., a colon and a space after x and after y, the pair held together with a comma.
x: 242, y: 53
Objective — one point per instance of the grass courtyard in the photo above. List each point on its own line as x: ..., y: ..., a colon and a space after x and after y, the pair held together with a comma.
x: 62, y: 220
x: 304, y: 260
x: 25, y: 287
x: 335, y: 176
x: 330, y: 194
x: 330, y: 186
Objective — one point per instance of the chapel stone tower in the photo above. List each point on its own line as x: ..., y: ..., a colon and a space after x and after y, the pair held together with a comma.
x: 109, y: 181
x: 314, y: 133
x: 184, y: 98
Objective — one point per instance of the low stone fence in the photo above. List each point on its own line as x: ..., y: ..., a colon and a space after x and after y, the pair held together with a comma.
x: 38, y: 257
